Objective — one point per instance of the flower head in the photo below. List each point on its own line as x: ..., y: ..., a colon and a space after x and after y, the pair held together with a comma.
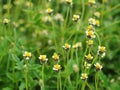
x: 87, y: 65
x: 69, y: 2
x: 101, y: 51
x: 98, y: 66
x: 57, y: 67
x: 27, y: 55
x: 5, y: 21
x: 49, y: 10
x: 90, y: 42
x: 89, y: 57
x: 77, y: 45
x: 75, y: 68
x: 91, y: 2
x: 43, y: 58
x: 92, y: 21
x: 90, y: 34
x: 76, y: 18
x: 90, y: 27
x: 84, y: 76
x: 97, y: 14
x: 55, y: 56
x: 97, y: 23
x: 67, y: 46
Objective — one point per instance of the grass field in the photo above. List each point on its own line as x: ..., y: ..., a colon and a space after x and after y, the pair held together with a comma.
x: 59, y: 44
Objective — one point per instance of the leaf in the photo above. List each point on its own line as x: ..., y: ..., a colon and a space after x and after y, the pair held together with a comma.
x: 104, y: 79
x: 7, y: 88
x: 22, y: 86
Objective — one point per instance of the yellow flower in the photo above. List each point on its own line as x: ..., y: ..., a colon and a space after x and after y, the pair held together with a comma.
x: 84, y: 76
x: 55, y: 56
x: 69, y: 2
x: 49, y: 10
x: 5, y: 21
x: 28, y: 4
x: 43, y: 58
x: 77, y: 45
x: 27, y: 55
x: 97, y: 23
x: 90, y: 27
x: 89, y: 57
x: 67, y: 46
x: 90, y: 34
x: 101, y: 49
x: 97, y: 14
x: 90, y: 42
x: 98, y: 66
x: 76, y: 18
x: 91, y: 2
x: 92, y: 21
x: 56, y: 67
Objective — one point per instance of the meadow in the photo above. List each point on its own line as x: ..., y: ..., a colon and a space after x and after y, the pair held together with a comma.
x: 59, y: 44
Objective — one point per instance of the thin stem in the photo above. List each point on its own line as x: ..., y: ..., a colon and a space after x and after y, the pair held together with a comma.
x: 43, y: 77
x: 26, y: 75
x: 77, y: 56
x: 98, y: 38
x: 96, y: 81
x: 60, y: 81
x: 83, y: 86
x: 84, y: 55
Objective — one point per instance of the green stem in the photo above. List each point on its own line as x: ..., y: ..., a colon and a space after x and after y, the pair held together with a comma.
x: 84, y: 56
x: 26, y: 75
x: 60, y: 81
x: 98, y: 38
x: 77, y: 57
x: 83, y: 86
x: 96, y: 81
x: 43, y: 77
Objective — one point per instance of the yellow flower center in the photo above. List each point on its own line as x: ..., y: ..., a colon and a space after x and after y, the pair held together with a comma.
x: 28, y: 54
x: 90, y: 42
x: 90, y: 33
x: 69, y: 1
x: 89, y: 57
x: 102, y: 49
x: 75, y: 17
x: 43, y: 57
x: 57, y: 66
x: 55, y: 56
x: 67, y: 46
x: 84, y: 76
x: 98, y: 66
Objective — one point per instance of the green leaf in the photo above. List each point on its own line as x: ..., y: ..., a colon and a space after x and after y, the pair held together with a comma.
x: 22, y: 86
x: 104, y: 79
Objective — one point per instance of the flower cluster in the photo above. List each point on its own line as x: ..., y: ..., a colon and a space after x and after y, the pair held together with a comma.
x: 56, y: 67
x: 91, y: 34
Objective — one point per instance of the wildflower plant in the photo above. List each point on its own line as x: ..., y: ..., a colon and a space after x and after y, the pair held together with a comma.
x: 65, y: 48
